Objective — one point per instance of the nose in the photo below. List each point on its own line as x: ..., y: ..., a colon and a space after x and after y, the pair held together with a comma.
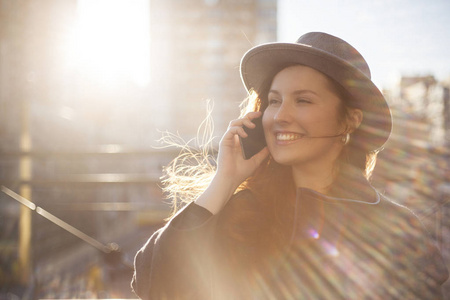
x: 283, y: 114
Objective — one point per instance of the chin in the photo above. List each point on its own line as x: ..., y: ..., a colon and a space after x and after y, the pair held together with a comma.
x: 299, y: 158
x: 286, y: 160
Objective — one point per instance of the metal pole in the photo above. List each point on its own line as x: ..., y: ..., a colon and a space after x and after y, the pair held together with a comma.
x: 30, y: 206
x: 25, y: 190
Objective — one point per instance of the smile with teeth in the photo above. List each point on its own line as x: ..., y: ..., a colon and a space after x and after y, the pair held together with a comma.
x: 288, y: 136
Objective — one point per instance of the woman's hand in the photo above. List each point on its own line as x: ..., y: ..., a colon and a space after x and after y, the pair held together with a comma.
x: 232, y: 168
x: 231, y: 163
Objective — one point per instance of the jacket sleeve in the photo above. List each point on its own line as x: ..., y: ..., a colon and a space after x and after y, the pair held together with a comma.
x: 175, y: 263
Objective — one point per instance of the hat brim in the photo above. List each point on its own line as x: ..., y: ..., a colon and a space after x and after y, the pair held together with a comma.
x: 262, y: 62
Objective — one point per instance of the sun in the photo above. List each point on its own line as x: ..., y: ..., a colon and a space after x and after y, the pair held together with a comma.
x: 111, y: 41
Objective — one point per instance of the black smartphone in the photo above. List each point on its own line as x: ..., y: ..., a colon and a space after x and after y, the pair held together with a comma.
x: 255, y: 141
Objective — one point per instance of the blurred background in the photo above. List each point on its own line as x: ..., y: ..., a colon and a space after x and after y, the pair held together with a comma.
x: 88, y: 87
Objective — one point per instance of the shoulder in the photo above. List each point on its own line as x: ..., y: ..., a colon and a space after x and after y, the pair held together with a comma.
x: 390, y: 222
x: 399, y: 214
x: 402, y: 228
x: 388, y: 203
x: 415, y: 249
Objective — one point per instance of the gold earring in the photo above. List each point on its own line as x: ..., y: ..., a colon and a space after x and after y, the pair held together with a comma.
x: 345, y: 139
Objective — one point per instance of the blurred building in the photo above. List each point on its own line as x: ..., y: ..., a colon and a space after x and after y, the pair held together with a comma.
x: 415, y: 159
x: 427, y: 98
x: 196, y: 47
x: 30, y: 77
x: 52, y: 146
x: 414, y: 167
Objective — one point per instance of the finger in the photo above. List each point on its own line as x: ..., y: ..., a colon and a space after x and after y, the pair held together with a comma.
x: 248, y: 123
x: 248, y: 117
x: 242, y: 122
x: 253, y: 115
x: 237, y: 130
x: 237, y: 122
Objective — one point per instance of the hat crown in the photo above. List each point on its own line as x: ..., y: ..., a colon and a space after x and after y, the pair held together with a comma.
x: 336, y: 47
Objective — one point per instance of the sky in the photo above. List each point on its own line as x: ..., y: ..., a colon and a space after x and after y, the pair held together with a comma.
x: 396, y: 37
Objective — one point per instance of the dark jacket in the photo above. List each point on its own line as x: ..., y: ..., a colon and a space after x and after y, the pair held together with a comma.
x: 355, y: 244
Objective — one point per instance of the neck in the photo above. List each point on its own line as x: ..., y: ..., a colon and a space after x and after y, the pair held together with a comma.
x: 317, y: 178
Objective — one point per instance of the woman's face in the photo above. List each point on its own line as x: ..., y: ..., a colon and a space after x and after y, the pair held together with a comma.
x: 302, y: 113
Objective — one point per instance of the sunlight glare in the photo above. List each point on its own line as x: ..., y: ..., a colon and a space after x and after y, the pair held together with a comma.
x: 112, y: 40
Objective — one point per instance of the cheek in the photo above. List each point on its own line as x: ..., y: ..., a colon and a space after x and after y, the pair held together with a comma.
x: 327, y: 118
x: 267, y: 123
x: 266, y: 120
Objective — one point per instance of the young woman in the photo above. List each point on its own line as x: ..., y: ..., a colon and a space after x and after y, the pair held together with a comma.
x: 298, y: 220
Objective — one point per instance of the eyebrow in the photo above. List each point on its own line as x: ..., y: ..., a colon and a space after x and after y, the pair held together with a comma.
x: 296, y: 92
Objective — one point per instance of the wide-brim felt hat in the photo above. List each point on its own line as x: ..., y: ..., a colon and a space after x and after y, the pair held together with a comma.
x: 338, y: 60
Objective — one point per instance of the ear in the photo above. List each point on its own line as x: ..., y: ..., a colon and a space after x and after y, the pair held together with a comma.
x: 354, y: 119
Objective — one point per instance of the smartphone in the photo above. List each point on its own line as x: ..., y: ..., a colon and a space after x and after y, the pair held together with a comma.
x: 255, y: 141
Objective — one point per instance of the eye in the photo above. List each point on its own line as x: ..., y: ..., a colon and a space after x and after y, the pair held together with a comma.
x: 302, y: 100
x: 274, y: 101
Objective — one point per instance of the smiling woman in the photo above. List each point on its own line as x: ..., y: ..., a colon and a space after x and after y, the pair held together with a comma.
x: 112, y: 41
x: 299, y: 219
